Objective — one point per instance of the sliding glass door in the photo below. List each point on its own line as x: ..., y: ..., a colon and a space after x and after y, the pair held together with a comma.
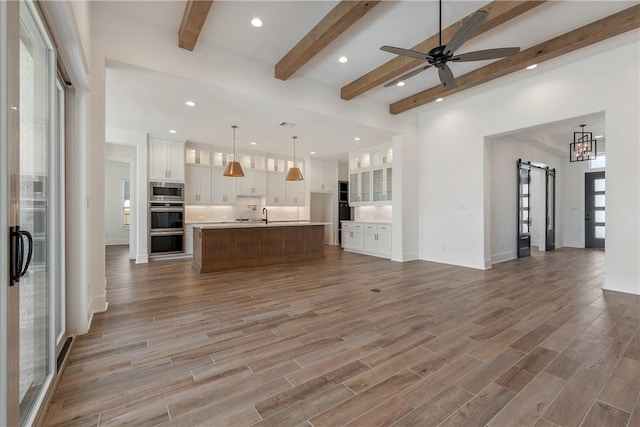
x: 35, y: 149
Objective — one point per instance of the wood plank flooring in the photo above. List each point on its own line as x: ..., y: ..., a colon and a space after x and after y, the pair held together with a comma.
x: 530, y: 342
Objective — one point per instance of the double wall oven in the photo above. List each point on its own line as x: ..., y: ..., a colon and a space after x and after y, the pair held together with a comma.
x: 166, y: 218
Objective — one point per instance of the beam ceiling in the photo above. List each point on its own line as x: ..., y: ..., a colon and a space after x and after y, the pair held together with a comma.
x: 341, y: 17
x: 195, y: 13
x: 499, y: 13
x: 613, y: 25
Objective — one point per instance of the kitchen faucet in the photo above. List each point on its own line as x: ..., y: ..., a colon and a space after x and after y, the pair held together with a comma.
x: 266, y: 216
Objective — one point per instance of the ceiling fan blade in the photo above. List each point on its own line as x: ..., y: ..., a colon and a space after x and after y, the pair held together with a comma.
x: 446, y: 77
x: 406, y: 76
x: 480, y: 55
x: 405, y: 52
x: 466, y: 31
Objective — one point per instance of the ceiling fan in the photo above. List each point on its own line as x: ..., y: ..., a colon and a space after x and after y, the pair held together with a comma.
x: 440, y: 55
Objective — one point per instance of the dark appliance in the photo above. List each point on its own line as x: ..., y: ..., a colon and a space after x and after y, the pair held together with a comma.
x: 166, y: 192
x: 344, y: 210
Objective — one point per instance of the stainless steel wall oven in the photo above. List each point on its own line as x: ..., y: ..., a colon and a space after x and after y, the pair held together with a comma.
x: 166, y: 218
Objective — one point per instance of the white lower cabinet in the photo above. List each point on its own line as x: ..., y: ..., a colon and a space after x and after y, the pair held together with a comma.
x: 367, y: 238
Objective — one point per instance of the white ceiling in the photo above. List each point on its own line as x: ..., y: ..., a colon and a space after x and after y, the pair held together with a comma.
x: 153, y: 102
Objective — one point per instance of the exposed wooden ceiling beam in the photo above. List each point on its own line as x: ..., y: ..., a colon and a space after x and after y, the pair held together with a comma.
x: 499, y: 13
x: 613, y: 25
x: 195, y: 13
x: 341, y: 17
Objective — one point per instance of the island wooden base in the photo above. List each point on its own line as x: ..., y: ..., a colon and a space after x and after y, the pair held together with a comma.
x: 217, y: 249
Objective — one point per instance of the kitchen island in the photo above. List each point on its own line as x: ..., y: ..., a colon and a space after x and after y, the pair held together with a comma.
x: 225, y: 246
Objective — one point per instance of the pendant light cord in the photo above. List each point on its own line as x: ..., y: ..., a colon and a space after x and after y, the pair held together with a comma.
x: 294, y: 150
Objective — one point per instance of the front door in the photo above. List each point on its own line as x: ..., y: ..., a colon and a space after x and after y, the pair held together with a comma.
x: 594, y: 210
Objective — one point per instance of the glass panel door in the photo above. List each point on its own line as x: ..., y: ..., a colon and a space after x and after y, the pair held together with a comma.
x: 37, y: 66
x: 551, y: 209
x: 378, y: 185
x: 524, y: 229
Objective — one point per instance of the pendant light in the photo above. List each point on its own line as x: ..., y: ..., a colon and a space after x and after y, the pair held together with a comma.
x: 233, y: 168
x: 294, y: 173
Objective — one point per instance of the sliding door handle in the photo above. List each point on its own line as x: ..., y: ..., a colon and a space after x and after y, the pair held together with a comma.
x: 29, y: 254
x: 16, y: 254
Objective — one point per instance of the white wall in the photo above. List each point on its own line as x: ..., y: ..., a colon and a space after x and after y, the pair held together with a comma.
x: 452, y: 153
x: 115, y: 175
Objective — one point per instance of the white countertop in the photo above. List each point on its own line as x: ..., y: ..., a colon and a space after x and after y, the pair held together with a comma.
x: 368, y: 221
x: 253, y: 224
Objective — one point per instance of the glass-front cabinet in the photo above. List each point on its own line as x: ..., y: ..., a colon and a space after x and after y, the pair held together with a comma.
x: 195, y: 155
x: 371, y: 176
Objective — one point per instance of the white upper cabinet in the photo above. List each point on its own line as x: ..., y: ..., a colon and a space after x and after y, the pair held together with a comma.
x: 198, y: 185
x: 166, y: 160
x: 195, y: 155
x: 371, y: 176
x: 221, y: 156
x: 224, y: 188
x: 294, y: 191
x: 323, y: 176
x: 276, y: 188
x: 254, y: 183
x: 253, y: 161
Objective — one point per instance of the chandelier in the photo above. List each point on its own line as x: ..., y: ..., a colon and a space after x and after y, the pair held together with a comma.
x: 583, y: 147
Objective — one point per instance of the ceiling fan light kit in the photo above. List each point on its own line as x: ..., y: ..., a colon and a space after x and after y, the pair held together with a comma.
x: 441, y: 55
x: 233, y: 168
x: 584, y: 147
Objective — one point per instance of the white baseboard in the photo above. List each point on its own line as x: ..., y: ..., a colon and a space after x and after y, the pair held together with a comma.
x: 142, y: 259
x: 408, y: 256
x: 505, y: 256
x: 573, y: 245
x: 97, y: 304
x: 112, y: 242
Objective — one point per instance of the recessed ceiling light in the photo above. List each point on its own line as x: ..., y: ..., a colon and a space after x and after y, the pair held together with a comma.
x: 172, y: 131
x: 343, y: 59
x: 532, y: 66
x: 313, y: 152
x: 190, y: 103
x: 599, y: 136
x: 400, y: 84
x: 439, y: 99
x: 357, y: 138
x: 256, y: 22
x: 252, y: 143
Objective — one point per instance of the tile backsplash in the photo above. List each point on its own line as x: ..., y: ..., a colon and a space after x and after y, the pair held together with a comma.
x: 244, y: 209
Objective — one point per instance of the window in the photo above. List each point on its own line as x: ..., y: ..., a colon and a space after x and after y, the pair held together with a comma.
x: 126, y: 203
x: 599, y: 163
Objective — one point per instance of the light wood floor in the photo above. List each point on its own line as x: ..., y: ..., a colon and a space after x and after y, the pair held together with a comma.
x: 530, y: 342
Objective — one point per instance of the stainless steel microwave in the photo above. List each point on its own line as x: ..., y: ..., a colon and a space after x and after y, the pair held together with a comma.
x: 166, y: 192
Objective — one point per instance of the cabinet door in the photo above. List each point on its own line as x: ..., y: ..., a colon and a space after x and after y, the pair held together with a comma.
x: 384, y: 240
x: 254, y: 183
x: 357, y: 241
x: 378, y: 185
x: 316, y: 180
x: 224, y: 188
x: 365, y: 186
x: 370, y: 241
x: 192, y: 185
x: 189, y: 242
x: 354, y: 188
x: 206, y: 186
x: 275, y: 189
x: 294, y: 193
x: 388, y: 186
x: 175, y: 161
x: 157, y: 161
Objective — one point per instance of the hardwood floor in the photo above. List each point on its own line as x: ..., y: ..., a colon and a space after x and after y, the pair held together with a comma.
x: 529, y: 342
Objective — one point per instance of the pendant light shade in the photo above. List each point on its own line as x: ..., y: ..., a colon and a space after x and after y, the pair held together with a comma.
x: 294, y: 173
x: 233, y: 168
